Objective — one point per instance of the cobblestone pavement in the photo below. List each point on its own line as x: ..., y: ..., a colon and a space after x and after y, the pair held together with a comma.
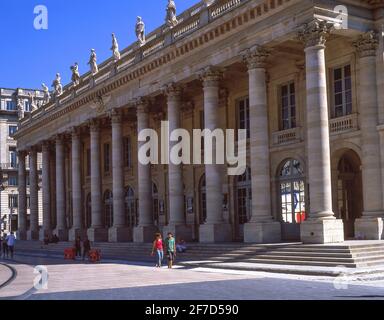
x: 140, y: 281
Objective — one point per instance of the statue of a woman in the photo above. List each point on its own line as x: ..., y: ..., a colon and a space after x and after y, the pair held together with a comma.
x: 47, y: 95
x: 115, y: 48
x: 75, y: 74
x: 140, y: 31
x: 171, y: 19
x: 32, y: 102
x: 93, y: 62
x: 57, y: 85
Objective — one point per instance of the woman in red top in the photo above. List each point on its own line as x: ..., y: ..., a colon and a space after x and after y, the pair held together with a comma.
x: 158, y: 246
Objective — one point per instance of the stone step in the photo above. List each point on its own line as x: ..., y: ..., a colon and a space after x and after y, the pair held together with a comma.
x: 301, y: 263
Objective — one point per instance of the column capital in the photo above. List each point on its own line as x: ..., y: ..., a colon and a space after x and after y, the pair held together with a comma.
x: 142, y: 105
x: 116, y: 116
x: 59, y: 139
x: 315, y: 33
x: 75, y: 132
x: 172, y: 90
x: 94, y: 125
x: 211, y: 76
x: 256, y: 57
x: 367, y: 44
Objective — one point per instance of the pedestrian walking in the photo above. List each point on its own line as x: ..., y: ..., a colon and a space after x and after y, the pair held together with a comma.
x: 86, y: 248
x: 78, y: 247
x: 11, y: 243
x: 170, y: 246
x: 158, y: 247
x: 5, y: 247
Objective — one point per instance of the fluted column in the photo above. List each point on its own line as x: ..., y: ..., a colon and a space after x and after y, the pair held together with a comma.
x: 46, y: 157
x: 77, y: 228
x: 177, y: 222
x: 61, y: 228
x: 215, y: 228
x: 371, y: 224
x: 145, y: 230
x: 322, y: 226
x: 119, y: 232
x: 33, y: 233
x: 22, y: 189
x: 261, y: 228
x: 98, y: 232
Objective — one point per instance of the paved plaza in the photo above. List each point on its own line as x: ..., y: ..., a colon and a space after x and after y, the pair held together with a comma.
x: 141, y: 281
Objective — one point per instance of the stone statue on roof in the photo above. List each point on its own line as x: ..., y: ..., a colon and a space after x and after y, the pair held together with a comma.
x: 140, y: 31
x: 171, y: 19
x: 75, y: 74
x: 20, y: 109
x: 32, y: 101
x: 115, y: 48
x: 58, y: 87
x: 47, y: 95
x: 93, y: 62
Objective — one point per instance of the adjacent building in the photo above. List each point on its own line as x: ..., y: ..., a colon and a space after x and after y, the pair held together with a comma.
x: 11, y: 100
x: 305, y: 78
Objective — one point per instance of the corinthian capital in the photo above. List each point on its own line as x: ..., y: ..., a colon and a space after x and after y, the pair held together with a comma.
x: 115, y: 115
x: 256, y: 57
x: 142, y: 105
x: 315, y: 33
x: 211, y: 76
x: 172, y: 90
x: 367, y: 44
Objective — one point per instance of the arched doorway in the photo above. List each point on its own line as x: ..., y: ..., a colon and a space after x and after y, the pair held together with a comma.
x: 203, y: 201
x: 108, y: 208
x: 130, y: 208
x: 349, y: 192
x: 292, y: 196
x: 243, y: 201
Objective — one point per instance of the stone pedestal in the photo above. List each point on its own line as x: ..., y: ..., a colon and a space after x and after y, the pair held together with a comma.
x: 211, y: 233
x: 179, y: 231
x: 322, y: 231
x: 262, y: 232
x: 144, y: 234
x: 74, y: 233
x: 370, y: 228
x: 33, y: 235
x: 98, y: 235
x: 120, y: 234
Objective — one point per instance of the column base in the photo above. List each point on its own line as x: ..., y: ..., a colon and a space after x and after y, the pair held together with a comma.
x: 369, y: 228
x: 262, y: 232
x: 33, y: 235
x: 211, y: 233
x: 21, y: 235
x: 44, y: 233
x: 62, y: 234
x: 180, y: 231
x: 97, y: 234
x: 74, y: 233
x: 144, y: 234
x: 322, y: 231
x: 120, y: 234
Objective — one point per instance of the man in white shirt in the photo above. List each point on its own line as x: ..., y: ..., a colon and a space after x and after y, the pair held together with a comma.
x: 11, y: 243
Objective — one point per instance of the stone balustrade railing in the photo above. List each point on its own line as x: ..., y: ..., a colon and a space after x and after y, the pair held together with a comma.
x: 287, y: 136
x: 344, y: 124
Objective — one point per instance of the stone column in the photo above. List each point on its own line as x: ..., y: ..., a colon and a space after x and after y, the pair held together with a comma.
x: 177, y: 223
x: 119, y: 232
x: 215, y: 229
x: 322, y: 226
x: 61, y: 228
x: 22, y: 208
x: 77, y: 208
x: 261, y: 228
x: 370, y: 226
x: 97, y: 232
x: 144, y: 232
x: 33, y: 233
x: 46, y: 181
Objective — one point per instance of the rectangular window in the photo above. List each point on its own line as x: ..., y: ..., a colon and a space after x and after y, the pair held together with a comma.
x: 12, y: 201
x: 11, y: 105
x: 106, y: 157
x: 27, y: 106
x: 12, y: 130
x: 243, y: 115
x: 88, y: 162
x: 342, y: 91
x: 12, y: 181
x: 288, y: 106
x: 13, y: 157
x: 127, y: 152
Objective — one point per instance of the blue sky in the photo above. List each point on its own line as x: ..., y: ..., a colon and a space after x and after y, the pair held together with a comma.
x: 29, y: 57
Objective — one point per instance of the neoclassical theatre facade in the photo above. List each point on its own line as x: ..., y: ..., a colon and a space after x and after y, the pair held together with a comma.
x: 303, y: 78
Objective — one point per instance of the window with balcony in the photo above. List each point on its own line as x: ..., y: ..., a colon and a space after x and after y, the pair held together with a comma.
x: 243, y: 115
x: 12, y: 181
x: 13, y: 201
x: 342, y: 91
x: 288, y: 106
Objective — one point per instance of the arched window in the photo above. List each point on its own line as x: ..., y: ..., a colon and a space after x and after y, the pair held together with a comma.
x: 108, y: 208
x: 244, y: 197
x: 203, y: 200
x: 292, y: 192
x: 155, y: 197
x: 88, y: 212
x: 130, y: 208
